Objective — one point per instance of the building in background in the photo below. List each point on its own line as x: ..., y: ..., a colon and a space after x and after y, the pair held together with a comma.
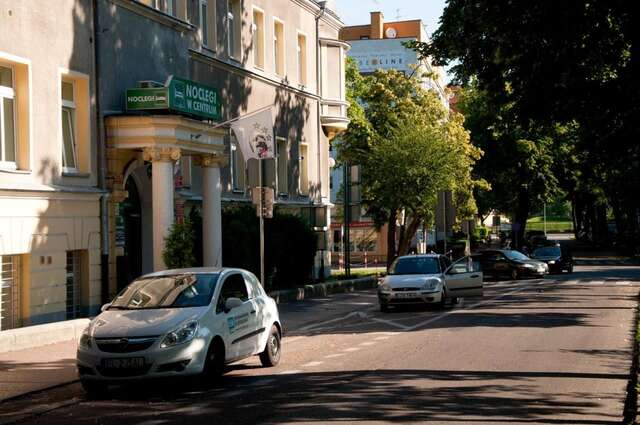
x: 49, y: 171
x: 378, y: 45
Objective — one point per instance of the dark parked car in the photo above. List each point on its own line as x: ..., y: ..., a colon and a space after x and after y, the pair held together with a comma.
x: 557, y: 257
x: 513, y: 264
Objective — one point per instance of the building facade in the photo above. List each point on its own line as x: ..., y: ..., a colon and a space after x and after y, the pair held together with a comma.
x: 377, y: 45
x: 90, y: 188
x: 283, y: 54
x: 49, y: 186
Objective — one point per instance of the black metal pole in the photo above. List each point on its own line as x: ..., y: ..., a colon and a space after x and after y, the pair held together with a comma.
x: 346, y: 185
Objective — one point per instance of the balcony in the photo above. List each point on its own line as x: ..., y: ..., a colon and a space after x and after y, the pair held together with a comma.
x: 333, y: 116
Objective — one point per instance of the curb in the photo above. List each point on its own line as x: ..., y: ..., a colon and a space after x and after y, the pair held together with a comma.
x: 606, y: 262
x: 41, y: 335
x: 324, y: 289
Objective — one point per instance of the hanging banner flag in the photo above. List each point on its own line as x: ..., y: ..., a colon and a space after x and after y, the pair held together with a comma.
x: 255, y: 135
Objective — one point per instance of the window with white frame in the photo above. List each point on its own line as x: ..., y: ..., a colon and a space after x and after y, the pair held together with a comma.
x: 304, y: 169
x: 238, y: 169
x: 257, y: 38
x: 278, y: 47
x: 283, y: 165
x: 166, y: 6
x: 73, y: 284
x: 9, y: 292
x: 234, y: 16
x: 69, y: 150
x: 302, y: 59
x: 7, y: 118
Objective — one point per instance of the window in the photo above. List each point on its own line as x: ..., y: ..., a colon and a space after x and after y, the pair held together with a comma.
x: 238, y: 169
x: 278, y: 47
x: 302, y: 59
x: 7, y: 118
x: 69, y: 151
x: 9, y: 292
x: 204, y: 27
x: 166, y: 6
x: 304, y: 169
x: 257, y: 38
x: 233, y: 287
x: 283, y: 166
x: 234, y: 14
x: 73, y: 284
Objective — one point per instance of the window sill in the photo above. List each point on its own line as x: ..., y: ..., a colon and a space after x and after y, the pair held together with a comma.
x: 238, y: 191
x: 10, y: 170
x: 156, y: 15
x: 75, y: 174
x: 207, y: 51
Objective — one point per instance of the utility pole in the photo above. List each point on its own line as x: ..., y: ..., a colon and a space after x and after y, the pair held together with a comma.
x: 346, y: 206
x: 544, y: 214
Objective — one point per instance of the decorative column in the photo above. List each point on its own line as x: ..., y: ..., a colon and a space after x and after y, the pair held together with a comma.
x: 162, y: 160
x: 212, y: 209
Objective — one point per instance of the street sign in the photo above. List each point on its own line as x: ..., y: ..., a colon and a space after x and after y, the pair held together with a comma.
x: 263, y: 198
x: 177, y: 95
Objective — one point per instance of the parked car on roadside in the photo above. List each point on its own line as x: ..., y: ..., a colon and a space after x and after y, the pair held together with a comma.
x: 177, y: 323
x: 557, y: 257
x: 510, y: 263
x: 429, y: 279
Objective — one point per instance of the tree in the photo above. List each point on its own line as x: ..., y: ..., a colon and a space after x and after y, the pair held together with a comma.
x: 178, y: 250
x: 553, y: 65
x: 408, y: 147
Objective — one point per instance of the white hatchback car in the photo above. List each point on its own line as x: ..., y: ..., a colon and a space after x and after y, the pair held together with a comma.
x: 180, y: 322
x: 429, y: 279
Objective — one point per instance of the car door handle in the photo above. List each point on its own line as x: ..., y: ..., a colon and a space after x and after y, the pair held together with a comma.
x: 475, y: 275
x: 252, y: 312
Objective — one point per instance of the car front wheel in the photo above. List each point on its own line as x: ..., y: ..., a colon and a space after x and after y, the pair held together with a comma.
x: 271, y: 355
x: 214, y: 364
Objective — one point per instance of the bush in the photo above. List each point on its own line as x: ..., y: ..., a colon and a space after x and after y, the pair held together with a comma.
x: 178, y: 250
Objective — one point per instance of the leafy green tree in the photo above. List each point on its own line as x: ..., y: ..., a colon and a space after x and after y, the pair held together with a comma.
x: 408, y: 148
x: 178, y: 251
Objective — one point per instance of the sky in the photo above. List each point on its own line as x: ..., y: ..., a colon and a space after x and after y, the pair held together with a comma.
x: 356, y: 12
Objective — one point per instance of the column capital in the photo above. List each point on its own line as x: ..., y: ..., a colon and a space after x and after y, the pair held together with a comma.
x: 214, y: 160
x: 154, y: 154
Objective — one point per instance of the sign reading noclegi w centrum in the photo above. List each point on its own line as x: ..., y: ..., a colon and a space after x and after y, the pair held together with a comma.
x: 179, y: 95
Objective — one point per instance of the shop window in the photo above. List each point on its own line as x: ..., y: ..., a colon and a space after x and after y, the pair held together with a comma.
x: 207, y: 23
x: 7, y: 118
x: 282, y: 166
x: 238, y: 169
x: 9, y: 292
x: 278, y: 47
x: 234, y: 28
x: 73, y: 284
x: 302, y: 59
x: 304, y: 169
x: 257, y: 38
x: 75, y: 123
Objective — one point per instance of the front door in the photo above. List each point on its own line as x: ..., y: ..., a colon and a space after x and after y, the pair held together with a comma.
x: 464, y: 279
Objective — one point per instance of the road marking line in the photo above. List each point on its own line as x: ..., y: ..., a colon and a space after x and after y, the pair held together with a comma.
x: 381, y: 338
x: 290, y: 372
x: 391, y: 323
x: 312, y: 364
x: 333, y: 356
x: 352, y: 349
x: 623, y: 283
x: 366, y: 344
x: 468, y: 307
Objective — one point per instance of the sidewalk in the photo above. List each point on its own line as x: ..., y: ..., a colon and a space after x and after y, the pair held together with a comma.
x: 34, y: 369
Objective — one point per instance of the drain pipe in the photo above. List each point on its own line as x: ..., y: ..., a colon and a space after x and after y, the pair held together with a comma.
x: 319, y: 16
x: 102, y: 164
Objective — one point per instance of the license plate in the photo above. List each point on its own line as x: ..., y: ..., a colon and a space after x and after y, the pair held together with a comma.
x: 124, y: 363
x: 407, y: 295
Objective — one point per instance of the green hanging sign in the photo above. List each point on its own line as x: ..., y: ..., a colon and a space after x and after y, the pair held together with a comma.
x: 179, y: 95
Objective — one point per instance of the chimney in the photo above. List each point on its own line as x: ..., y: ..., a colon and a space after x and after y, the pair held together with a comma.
x: 377, y: 25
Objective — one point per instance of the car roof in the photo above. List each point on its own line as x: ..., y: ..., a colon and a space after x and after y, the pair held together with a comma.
x: 434, y: 255
x: 194, y: 270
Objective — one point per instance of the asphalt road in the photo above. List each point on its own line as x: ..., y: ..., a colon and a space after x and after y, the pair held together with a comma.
x: 555, y: 351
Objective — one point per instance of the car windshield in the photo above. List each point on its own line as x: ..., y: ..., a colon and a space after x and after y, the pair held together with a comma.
x: 176, y: 291
x: 415, y: 265
x: 547, y: 251
x: 515, y: 255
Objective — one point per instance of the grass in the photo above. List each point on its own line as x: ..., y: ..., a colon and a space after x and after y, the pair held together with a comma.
x: 357, y: 273
x: 554, y: 224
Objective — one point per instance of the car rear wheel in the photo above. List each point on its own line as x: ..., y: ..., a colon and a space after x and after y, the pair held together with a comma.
x: 214, y: 364
x: 514, y: 274
x: 94, y: 389
x: 271, y: 355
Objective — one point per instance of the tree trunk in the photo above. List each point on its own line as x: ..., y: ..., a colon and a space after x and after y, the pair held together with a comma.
x: 521, y: 217
x: 407, y: 236
x: 391, y: 237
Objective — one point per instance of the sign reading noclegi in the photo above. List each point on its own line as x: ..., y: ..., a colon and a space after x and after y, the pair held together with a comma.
x: 177, y: 95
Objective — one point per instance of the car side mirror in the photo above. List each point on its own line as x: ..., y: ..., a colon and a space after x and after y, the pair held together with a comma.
x: 232, y: 303
x: 105, y: 306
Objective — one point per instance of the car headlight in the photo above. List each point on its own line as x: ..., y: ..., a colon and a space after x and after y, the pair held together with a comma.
x: 430, y: 285
x: 384, y: 287
x: 85, y: 338
x: 183, y: 334
x: 528, y: 266
x: 552, y: 262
